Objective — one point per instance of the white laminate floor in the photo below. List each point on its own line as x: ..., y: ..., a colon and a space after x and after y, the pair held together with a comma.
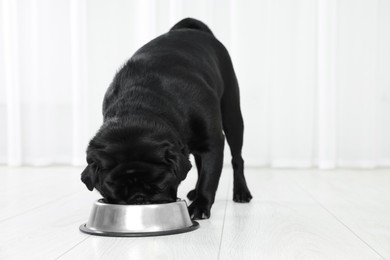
x: 295, y: 214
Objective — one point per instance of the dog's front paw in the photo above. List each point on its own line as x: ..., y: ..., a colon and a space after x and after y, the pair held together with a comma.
x: 199, y: 210
x: 191, y: 195
x: 242, y: 195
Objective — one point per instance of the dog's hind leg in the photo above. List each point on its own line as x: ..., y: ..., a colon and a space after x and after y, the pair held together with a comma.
x: 233, y: 127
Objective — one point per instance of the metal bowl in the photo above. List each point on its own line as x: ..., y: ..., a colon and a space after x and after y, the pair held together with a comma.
x: 138, y: 220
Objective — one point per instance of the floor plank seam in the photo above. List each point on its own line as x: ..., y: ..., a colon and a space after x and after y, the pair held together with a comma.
x: 67, y: 251
x: 335, y: 217
x: 38, y: 207
x: 224, y: 217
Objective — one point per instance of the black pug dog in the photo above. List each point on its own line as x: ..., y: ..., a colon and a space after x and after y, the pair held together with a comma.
x: 177, y: 95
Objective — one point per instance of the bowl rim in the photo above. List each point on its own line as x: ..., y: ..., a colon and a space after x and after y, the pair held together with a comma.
x: 101, y: 202
x: 83, y: 228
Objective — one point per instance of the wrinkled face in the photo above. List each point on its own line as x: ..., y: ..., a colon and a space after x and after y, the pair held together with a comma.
x: 137, y: 172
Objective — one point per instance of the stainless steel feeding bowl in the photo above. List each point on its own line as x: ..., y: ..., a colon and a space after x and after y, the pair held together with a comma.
x: 138, y: 220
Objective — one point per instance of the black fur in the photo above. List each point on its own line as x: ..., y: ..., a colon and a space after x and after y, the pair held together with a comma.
x: 177, y: 95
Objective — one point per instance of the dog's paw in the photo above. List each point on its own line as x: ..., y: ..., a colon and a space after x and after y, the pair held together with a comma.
x: 242, y: 195
x: 198, y: 210
x: 191, y: 195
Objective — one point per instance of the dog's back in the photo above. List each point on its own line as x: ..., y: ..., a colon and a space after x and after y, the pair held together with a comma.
x: 186, y: 62
x: 190, y: 23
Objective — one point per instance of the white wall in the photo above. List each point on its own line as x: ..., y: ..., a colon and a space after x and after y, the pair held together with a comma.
x: 314, y: 75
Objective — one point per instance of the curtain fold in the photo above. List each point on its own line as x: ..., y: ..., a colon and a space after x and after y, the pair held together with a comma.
x: 314, y: 75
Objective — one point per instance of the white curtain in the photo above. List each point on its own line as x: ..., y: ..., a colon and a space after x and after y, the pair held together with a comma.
x: 314, y: 75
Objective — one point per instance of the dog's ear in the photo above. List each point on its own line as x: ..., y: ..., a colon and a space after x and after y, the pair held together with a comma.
x: 100, y: 159
x: 180, y: 162
x: 88, y: 176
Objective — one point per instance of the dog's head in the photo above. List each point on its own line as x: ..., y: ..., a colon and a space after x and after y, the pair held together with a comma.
x: 135, y: 166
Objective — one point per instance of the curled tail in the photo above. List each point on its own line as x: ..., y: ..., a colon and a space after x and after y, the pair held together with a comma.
x: 190, y: 23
